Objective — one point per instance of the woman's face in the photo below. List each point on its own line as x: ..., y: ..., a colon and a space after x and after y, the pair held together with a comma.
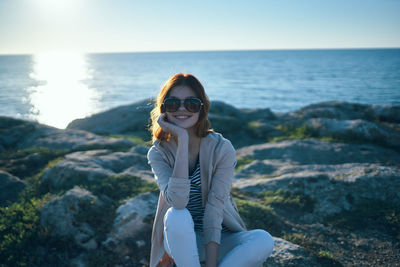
x: 182, y: 117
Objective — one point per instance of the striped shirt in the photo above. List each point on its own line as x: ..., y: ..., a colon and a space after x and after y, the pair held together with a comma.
x: 195, y: 201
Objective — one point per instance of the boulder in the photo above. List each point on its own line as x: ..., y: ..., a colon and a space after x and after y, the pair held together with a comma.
x: 59, y: 216
x: 312, y: 151
x: 131, y: 230
x: 349, y: 111
x: 335, y: 176
x: 356, y: 130
x: 21, y: 134
x: 133, y: 118
x: 85, y: 167
x: 289, y: 254
x: 10, y: 188
x: 332, y: 188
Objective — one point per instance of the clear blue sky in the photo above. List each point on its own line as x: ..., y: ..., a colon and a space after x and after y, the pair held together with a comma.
x: 32, y: 26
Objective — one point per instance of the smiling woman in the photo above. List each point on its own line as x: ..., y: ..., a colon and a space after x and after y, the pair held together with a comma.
x: 62, y: 94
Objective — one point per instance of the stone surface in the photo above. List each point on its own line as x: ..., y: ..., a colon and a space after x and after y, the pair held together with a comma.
x: 336, y: 177
x: 289, y: 254
x: 133, y: 224
x: 125, y: 119
x: 59, y: 217
x: 19, y: 134
x: 84, y: 167
x: 10, y: 188
x: 311, y: 151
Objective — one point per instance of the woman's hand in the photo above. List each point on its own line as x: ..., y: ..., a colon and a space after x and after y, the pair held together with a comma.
x: 170, y: 127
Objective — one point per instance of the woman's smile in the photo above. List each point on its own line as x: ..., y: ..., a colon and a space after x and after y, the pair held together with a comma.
x: 182, y: 117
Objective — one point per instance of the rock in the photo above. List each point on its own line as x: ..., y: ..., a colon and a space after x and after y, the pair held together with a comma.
x: 142, y: 150
x: 26, y: 134
x: 350, y: 111
x: 311, y: 151
x: 84, y: 167
x: 59, y: 216
x: 10, y: 188
x: 335, y: 176
x: 131, y: 118
x: 132, y: 226
x: 357, y: 130
x: 333, y: 188
x: 289, y: 254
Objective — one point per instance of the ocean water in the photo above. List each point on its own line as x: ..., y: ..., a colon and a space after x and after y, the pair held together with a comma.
x: 57, y: 88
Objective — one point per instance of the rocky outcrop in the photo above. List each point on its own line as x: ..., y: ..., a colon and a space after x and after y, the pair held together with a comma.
x: 312, y: 151
x: 19, y: 134
x: 349, y: 111
x: 336, y: 176
x: 65, y: 217
x: 131, y: 229
x: 289, y: 254
x: 85, y: 167
x: 358, y: 167
x: 339, y: 120
x: 120, y: 120
x: 10, y: 188
x: 357, y: 130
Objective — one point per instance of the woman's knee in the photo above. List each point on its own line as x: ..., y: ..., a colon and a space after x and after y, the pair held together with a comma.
x: 264, y: 241
x: 178, y: 219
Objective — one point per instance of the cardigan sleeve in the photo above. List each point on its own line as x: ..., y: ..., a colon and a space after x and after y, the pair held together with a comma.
x: 174, y: 189
x: 219, y: 193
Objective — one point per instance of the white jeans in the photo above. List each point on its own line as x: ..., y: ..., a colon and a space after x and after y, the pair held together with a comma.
x: 185, y: 246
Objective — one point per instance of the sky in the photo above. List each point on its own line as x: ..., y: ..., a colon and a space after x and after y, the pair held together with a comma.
x: 36, y: 26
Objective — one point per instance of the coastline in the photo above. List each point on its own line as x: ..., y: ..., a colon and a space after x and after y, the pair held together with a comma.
x: 321, y: 180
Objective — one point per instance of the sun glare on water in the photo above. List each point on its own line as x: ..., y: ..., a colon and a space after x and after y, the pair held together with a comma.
x: 62, y: 94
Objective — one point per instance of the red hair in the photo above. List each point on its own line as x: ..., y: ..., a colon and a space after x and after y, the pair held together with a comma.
x: 202, y: 127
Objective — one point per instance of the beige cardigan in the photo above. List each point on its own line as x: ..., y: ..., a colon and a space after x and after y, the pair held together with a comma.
x: 217, y: 161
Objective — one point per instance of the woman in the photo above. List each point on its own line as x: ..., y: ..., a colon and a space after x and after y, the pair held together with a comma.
x: 196, y: 219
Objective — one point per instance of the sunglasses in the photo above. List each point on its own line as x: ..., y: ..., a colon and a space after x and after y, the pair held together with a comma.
x: 173, y: 104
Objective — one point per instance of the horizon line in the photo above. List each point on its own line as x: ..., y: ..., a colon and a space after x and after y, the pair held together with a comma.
x: 202, y: 50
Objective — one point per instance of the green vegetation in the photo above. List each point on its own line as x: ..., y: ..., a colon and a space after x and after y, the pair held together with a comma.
x: 268, y: 210
x: 27, y: 162
x: 299, y: 239
x: 290, y: 131
x: 285, y: 199
x: 369, y: 214
x: 24, y: 242
x: 18, y: 229
x: 241, y: 162
x: 139, y: 140
x: 100, y: 218
x: 119, y: 188
x: 253, y: 125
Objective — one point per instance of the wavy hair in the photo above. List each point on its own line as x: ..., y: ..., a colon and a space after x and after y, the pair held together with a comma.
x: 202, y: 127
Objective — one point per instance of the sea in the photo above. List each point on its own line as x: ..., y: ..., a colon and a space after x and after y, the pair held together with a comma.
x: 57, y: 87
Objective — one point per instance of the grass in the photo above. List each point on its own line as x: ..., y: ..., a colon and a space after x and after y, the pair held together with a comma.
x: 269, y: 210
x: 294, y: 132
x: 139, y: 140
x: 27, y: 162
x: 253, y: 125
x: 370, y: 214
x: 284, y: 199
x: 24, y: 242
x: 241, y: 162
x: 120, y: 187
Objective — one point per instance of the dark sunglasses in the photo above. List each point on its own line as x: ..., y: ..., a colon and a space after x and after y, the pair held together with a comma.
x: 173, y: 104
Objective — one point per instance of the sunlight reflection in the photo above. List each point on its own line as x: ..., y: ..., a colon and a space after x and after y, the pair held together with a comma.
x: 62, y: 95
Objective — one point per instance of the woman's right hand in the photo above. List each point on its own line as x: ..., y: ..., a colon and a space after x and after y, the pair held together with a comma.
x: 170, y: 127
